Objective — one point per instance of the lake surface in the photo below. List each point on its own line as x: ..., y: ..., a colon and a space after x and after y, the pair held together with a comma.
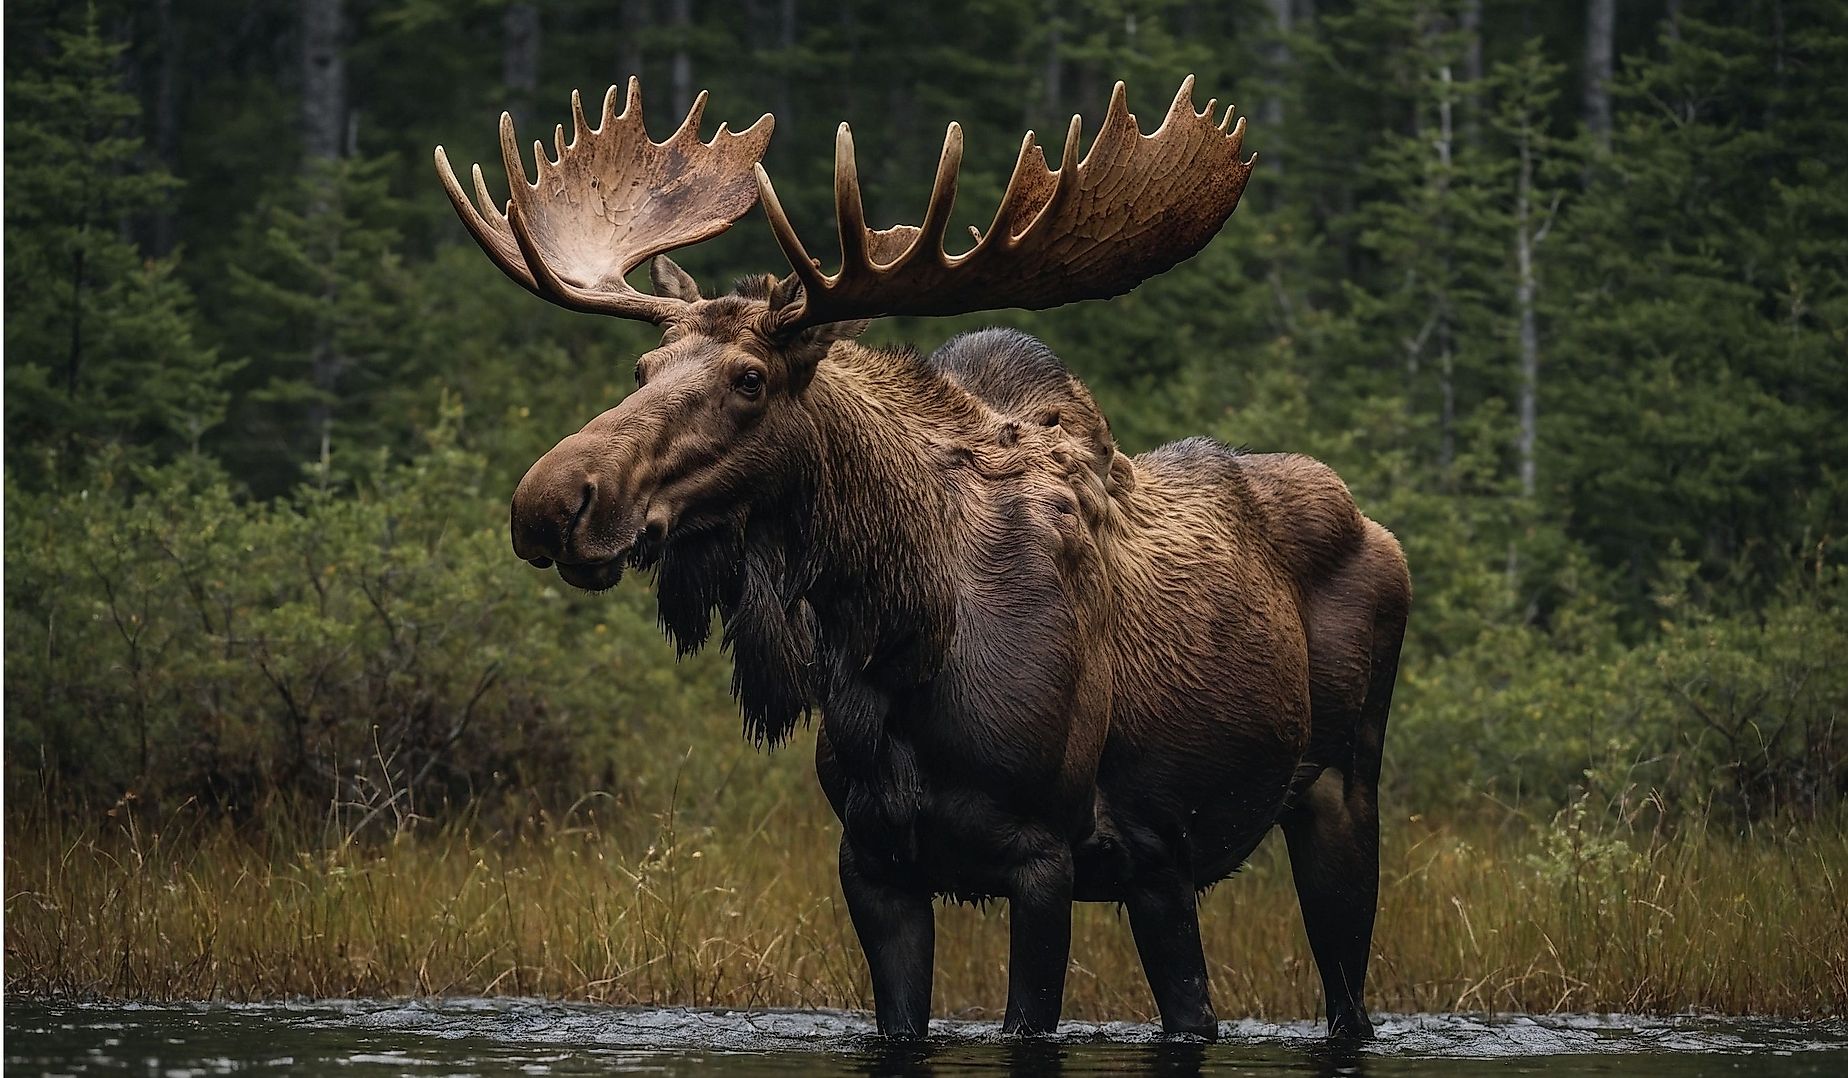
x: 524, y: 1037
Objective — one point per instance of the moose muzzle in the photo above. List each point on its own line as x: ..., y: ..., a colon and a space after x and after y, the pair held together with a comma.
x: 582, y: 507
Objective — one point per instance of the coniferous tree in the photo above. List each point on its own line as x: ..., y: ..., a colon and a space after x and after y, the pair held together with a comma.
x: 100, y: 340
x: 323, y: 312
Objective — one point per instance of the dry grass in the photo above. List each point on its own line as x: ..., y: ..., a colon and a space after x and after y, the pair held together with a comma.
x: 1557, y: 918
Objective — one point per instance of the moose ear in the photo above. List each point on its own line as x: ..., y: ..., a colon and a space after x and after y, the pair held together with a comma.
x: 786, y: 297
x: 671, y: 281
x: 785, y: 294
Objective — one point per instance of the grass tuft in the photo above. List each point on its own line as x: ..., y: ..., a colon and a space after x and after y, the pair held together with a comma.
x: 1555, y: 917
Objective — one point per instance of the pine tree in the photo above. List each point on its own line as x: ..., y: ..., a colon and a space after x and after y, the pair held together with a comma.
x: 100, y: 340
x: 324, y: 312
x: 1699, y: 366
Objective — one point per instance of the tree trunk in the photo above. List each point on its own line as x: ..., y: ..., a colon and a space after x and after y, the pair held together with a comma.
x: 1446, y: 370
x: 520, y: 40
x: 1469, y: 20
x: 166, y: 120
x: 629, y: 59
x: 1277, y: 59
x: 786, y: 37
x: 324, y: 135
x: 1054, y: 75
x: 1600, y: 19
x: 681, y: 14
x: 324, y: 123
x: 1524, y: 289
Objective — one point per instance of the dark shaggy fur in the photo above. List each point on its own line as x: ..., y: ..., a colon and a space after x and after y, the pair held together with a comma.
x: 1044, y: 671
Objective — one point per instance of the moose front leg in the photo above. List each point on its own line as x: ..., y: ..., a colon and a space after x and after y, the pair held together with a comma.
x: 1039, y: 943
x: 898, y: 932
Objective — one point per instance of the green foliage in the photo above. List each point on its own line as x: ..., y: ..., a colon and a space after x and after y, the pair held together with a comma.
x: 100, y: 340
x: 1700, y: 372
x: 322, y: 304
x: 364, y: 646
x: 218, y: 471
x: 1736, y: 710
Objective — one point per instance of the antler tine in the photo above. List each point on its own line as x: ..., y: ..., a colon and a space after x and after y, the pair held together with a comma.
x: 849, y: 209
x: 942, y: 194
x: 689, y: 127
x: 1026, y: 188
x: 631, y: 98
x: 487, y: 225
x: 580, y: 125
x: 608, y: 200
x: 785, y: 233
x: 482, y: 197
x: 1066, y: 179
x: 1131, y: 207
x: 1183, y: 99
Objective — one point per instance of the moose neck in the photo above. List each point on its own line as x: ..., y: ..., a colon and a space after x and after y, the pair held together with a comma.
x: 835, y: 582
x: 884, y: 515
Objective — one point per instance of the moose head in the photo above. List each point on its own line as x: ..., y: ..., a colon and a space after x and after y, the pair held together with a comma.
x: 722, y: 418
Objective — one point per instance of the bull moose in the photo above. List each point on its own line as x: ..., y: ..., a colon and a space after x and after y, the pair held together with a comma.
x: 1046, y: 671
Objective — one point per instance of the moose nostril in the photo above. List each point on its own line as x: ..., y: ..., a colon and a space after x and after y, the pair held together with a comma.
x: 577, y: 515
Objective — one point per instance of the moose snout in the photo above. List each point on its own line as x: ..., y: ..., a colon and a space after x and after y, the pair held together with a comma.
x: 549, y: 512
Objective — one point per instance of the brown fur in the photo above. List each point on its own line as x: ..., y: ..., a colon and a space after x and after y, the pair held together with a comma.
x: 1044, y: 670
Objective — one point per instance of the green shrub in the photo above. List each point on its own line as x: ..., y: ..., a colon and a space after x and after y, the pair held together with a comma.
x: 376, y: 648
x: 1746, y: 711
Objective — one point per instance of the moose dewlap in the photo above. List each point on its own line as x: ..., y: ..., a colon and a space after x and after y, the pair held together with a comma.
x: 1046, y: 671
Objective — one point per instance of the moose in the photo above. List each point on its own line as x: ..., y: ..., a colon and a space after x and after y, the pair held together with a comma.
x: 1046, y: 671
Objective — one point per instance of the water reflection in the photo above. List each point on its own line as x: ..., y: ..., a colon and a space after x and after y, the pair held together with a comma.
x: 528, y: 1037
x: 1157, y: 1058
x: 1332, y: 1059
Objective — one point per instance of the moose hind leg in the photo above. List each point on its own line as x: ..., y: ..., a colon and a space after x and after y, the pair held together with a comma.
x: 1333, y: 829
x: 898, y: 933
x: 1039, y: 943
x: 1164, y: 916
x: 1333, y: 835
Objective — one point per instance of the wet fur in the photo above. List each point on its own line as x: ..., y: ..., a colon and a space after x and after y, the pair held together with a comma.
x: 1048, y: 671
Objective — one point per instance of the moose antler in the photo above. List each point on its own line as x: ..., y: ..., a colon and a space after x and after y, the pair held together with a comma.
x: 1135, y: 206
x: 611, y: 200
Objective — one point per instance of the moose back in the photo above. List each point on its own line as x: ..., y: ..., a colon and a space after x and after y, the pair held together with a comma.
x: 1046, y: 671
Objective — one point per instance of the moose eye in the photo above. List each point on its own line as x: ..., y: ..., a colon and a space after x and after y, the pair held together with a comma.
x: 750, y: 383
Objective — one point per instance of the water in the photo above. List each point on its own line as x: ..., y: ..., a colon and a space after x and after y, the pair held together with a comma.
x: 524, y: 1037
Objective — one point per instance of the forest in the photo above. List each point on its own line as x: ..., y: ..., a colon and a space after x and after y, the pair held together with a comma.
x: 1559, y: 289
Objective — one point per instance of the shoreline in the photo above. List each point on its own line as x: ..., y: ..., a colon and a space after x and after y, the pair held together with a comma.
x: 1545, y: 920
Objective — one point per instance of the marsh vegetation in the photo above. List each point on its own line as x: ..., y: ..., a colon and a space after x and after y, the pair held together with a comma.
x: 284, y: 715
x: 1499, y: 914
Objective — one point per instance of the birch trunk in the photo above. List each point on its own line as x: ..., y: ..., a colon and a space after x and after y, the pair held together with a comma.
x: 1524, y: 291
x: 1446, y: 372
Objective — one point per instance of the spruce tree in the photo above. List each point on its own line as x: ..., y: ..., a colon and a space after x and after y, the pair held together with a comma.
x: 100, y: 342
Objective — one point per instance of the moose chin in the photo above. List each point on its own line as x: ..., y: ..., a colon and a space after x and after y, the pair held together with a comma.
x: 1046, y: 671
